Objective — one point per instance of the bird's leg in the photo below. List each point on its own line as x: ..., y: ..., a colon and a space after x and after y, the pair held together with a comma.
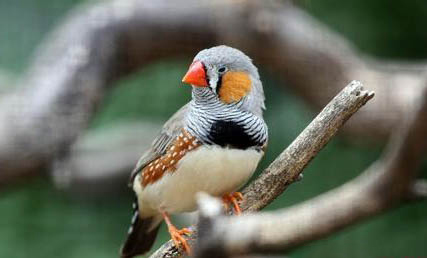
x: 177, y: 234
x: 233, y: 199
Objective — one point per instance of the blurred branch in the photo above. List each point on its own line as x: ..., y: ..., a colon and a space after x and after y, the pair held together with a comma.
x: 385, y: 184
x: 101, y: 42
x: 100, y: 161
x: 288, y: 166
x: 317, y: 62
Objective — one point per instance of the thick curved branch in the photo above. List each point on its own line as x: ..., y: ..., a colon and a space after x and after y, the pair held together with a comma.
x: 288, y: 166
x: 386, y: 183
x: 317, y: 62
x: 101, y: 42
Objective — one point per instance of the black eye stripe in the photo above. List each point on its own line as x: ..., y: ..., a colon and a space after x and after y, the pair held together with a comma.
x: 221, y: 69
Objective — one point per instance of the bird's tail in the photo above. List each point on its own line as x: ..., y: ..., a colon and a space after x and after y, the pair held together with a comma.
x: 141, y: 235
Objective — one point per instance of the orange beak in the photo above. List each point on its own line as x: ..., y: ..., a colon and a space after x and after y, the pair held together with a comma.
x: 196, y: 75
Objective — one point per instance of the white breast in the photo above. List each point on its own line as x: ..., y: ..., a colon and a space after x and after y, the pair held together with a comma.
x: 210, y: 169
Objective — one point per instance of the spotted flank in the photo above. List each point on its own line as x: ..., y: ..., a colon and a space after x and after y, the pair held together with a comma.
x: 154, y: 170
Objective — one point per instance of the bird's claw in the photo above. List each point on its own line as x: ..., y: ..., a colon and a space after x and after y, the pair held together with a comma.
x: 234, y: 199
x: 179, y: 240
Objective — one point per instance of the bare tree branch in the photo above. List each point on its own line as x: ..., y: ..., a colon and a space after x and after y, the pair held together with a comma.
x: 385, y: 184
x: 288, y: 166
x: 317, y: 62
x: 290, y: 163
x: 101, y: 42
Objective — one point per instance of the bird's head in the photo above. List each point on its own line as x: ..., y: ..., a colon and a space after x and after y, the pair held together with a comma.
x: 230, y: 75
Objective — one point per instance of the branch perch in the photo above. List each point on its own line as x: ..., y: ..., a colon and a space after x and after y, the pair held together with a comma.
x: 288, y: 166
x: 385, y: 184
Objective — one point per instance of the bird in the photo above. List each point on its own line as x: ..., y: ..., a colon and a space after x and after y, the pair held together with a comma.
x: 212, y: 144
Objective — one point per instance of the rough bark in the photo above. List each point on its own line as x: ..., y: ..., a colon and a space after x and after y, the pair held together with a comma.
x: 389, y: 182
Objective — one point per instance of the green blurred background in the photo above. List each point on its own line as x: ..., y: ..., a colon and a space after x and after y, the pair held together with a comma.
x: 37, y: 220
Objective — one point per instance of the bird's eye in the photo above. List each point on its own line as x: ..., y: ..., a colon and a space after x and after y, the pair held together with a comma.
x: 222, y: 69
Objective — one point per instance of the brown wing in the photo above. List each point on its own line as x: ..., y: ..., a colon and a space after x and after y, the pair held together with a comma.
x: 169, y: 132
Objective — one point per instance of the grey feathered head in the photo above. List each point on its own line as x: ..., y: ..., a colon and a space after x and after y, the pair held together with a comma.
x: 230, y: 74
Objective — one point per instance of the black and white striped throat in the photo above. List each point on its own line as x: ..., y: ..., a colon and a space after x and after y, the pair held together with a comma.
x: 216, y: 123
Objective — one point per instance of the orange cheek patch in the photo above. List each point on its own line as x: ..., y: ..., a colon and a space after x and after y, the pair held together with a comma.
x: 234, y: 86
x: 156, y: 169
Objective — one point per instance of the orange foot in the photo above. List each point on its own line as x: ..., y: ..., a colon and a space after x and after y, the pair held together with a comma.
x: 177, y: 234
x: 234, y: 199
